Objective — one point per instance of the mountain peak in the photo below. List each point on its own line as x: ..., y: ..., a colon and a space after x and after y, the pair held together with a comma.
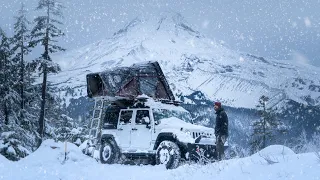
x: 192, y: 63
x: 170, y: 22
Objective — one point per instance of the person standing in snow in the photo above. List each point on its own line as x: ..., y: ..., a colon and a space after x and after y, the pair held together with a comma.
x: 220, y: 130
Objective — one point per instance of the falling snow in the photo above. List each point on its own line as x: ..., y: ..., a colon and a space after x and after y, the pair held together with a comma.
x: 251, y: 26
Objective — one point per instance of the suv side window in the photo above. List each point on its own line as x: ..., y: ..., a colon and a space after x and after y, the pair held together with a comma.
x: 143, y: 117
x: 111, y: 118
x: 125, y: 117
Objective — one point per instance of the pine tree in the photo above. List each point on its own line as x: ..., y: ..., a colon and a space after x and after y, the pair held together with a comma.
x: 20, y: 48
x: 7, y: 78
x: 64, y: 128
x: 264, y: 128
x: 11, y: 133
x: 26, y: 90
x: 45, y: 32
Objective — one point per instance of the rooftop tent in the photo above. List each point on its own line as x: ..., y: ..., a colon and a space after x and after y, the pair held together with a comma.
x: 143, y: 78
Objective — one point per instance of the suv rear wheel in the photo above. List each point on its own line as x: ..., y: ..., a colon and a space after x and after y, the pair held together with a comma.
x: 109, y: 152
x: 168, y: 153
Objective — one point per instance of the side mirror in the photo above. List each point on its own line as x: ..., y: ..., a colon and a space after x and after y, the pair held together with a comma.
x: 146, y: 120
x: 157, y: 122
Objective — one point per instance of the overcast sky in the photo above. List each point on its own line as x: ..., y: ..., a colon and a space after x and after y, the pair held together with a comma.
x: 280, y: 29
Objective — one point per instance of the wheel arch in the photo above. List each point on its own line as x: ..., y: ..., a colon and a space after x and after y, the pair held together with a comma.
x: 115, y: 151
x: 169, y: 136
x: 107, y: 136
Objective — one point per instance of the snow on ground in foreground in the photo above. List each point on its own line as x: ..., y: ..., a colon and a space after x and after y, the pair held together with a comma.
x: 46, y: 163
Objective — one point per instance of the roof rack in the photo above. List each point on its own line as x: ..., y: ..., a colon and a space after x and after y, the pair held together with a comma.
x: 166, y: 101
x: 137, y: 101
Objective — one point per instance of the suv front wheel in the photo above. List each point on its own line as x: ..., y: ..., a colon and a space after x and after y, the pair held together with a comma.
x: 109, y: 152
x: 168, y: 153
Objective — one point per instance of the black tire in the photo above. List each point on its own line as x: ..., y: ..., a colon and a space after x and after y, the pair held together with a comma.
x: 109, y: 152
x: 168, y: 153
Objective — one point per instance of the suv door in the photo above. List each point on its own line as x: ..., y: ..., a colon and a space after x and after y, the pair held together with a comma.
x: 124, y: 128
x: 141, y: 132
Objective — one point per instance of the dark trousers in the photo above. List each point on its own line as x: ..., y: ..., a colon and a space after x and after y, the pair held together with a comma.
x: 221, y: 139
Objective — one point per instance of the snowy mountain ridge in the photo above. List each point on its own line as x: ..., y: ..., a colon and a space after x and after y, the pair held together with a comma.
x: 191, y: 62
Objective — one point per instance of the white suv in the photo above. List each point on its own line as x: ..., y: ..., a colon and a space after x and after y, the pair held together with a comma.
x: 154, y: 129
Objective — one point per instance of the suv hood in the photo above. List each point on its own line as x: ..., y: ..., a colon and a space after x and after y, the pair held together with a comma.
x: 180, y: 129
x: 176, y: 123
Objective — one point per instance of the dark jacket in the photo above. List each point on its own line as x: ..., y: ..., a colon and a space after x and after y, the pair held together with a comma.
x: 221, y: 123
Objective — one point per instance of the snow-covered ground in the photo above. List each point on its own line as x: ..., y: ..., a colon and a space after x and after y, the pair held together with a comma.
x: 47, y: 163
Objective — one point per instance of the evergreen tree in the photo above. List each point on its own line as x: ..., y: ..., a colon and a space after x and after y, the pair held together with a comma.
x: 7, y: 78
x: 59, y: 125
x: 265, y: 127
x: 26, y: 89
x: 64, y: 128
x: 20, y: 48
x: 11, y: 134
x: 45, y: 33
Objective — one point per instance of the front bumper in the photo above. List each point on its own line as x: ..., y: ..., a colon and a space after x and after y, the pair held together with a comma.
x: 196, y: 152
x: 204, y: 149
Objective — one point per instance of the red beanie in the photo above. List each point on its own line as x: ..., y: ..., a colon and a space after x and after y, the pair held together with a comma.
x: 217, y: 104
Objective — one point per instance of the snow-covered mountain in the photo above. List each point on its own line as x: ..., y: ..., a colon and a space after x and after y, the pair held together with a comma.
x: 191, y: 62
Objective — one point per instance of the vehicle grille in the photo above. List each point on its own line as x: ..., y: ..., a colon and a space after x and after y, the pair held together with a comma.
x: 197, y: 134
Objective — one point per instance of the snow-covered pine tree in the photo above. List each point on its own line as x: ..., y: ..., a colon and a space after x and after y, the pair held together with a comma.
x: 46, y: 32
x: 265, y: 127
x: 20, y: 49
x: 54, y: 112
x: 26, y: 127
x: 64, y: 128
x: 11, y: 134
x: 7, y: 95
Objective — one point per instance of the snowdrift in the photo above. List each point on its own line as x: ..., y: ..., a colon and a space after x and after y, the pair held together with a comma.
x: 3, y: 159
x: 46, y: 163
x: 54, y: 153
x: 275, y: 150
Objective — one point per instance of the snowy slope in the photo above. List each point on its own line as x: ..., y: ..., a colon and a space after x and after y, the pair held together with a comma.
x: 46, y: 163
x: 191, y: 63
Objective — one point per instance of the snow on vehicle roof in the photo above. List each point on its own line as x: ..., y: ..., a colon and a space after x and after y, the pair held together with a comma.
x: 159, y: 105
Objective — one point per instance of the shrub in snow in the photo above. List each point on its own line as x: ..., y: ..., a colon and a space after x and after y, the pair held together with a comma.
x: 304, y: 145
x: 11, y: 145
x: 64, y: 127
x: 18, y: 137
x: 79, y: 135
x: 301, y: 144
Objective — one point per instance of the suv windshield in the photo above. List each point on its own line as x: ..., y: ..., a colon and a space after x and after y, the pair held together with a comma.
x: 159, y: 114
